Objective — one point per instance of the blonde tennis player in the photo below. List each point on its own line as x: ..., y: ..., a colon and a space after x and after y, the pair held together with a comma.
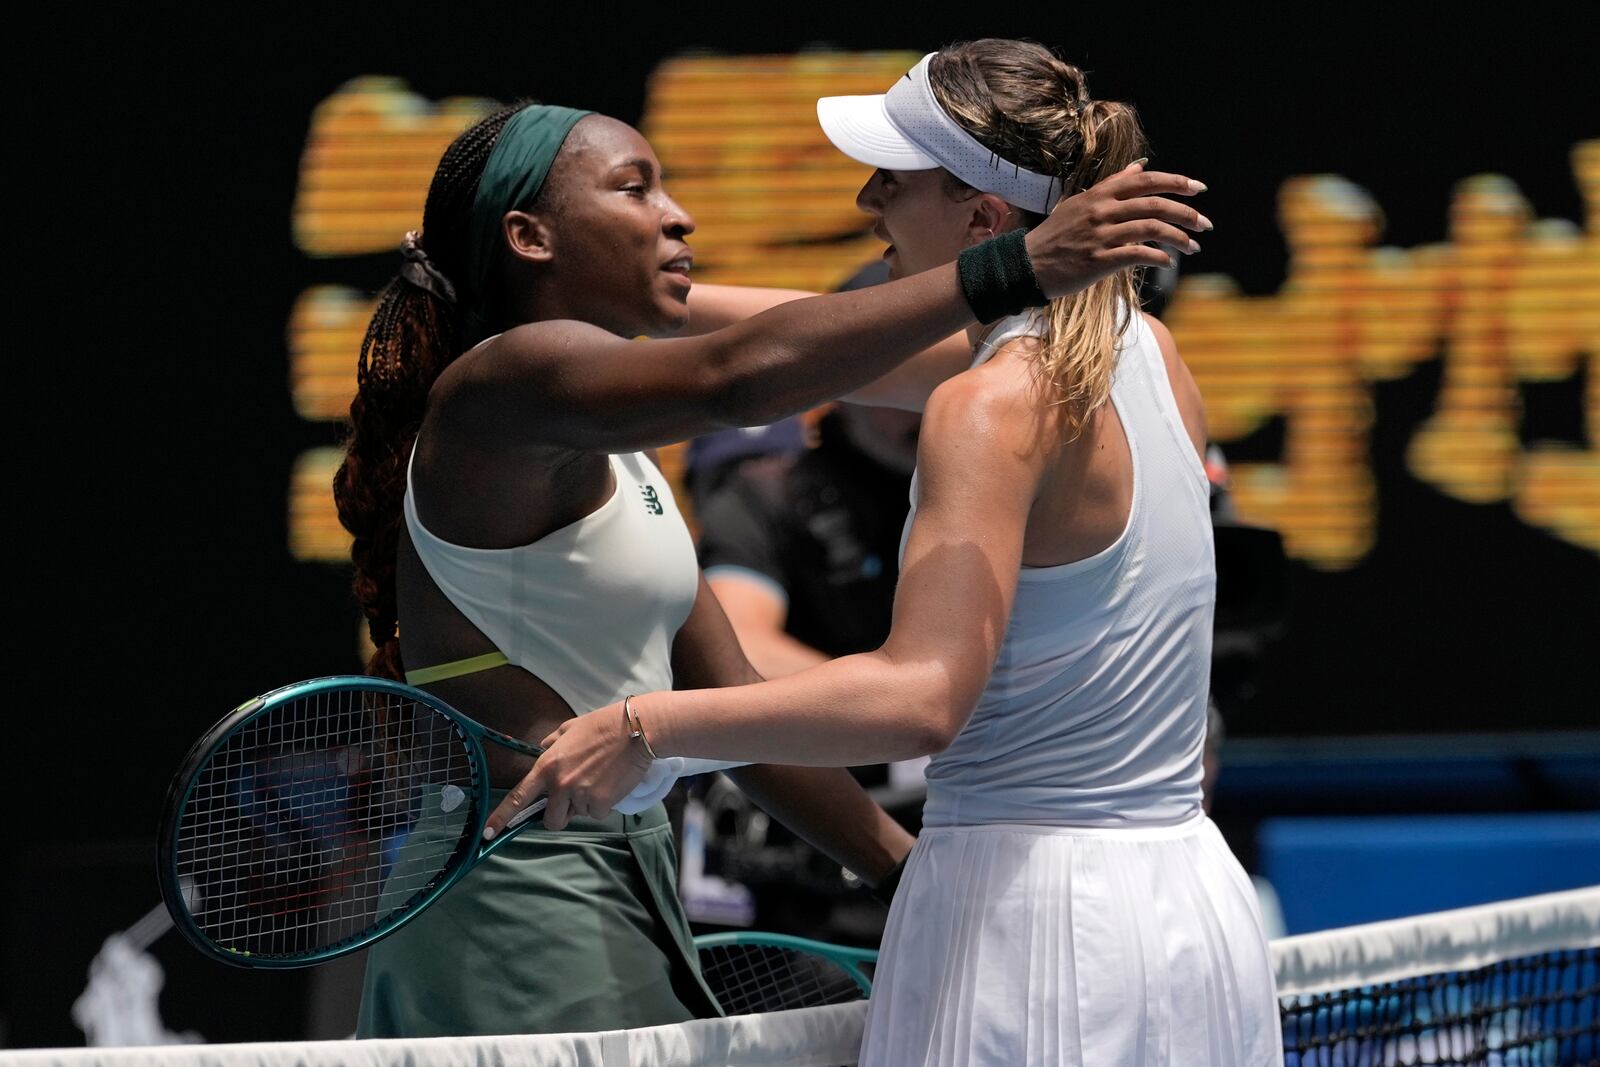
x: 1068, y: 901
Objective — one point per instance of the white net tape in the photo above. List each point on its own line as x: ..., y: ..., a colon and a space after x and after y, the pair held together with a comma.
x: 1458, y: 940
x: 826, y: 1037
x: 811, y: 1037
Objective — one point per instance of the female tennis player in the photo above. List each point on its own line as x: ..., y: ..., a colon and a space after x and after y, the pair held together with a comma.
x: 1068, y: 901
x: 503, y: 509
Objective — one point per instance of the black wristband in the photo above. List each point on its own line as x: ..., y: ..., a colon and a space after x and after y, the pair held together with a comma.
x: 997, y: 277
x: 885, y: 888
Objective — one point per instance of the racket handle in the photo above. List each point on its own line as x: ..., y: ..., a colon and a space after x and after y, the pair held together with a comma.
x: 525, y: 814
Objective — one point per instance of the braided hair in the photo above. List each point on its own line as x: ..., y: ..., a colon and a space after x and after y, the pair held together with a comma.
x: 415, y: 333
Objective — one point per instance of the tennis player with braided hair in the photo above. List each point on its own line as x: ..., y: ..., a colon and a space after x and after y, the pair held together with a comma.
x: 505, y: 511
x: 1068, y: 901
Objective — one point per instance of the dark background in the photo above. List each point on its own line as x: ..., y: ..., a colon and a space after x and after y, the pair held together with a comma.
x: 153, y: 273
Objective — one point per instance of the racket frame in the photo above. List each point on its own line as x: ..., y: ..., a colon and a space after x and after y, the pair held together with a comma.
x: 468, y: 854
x: 848, y: 958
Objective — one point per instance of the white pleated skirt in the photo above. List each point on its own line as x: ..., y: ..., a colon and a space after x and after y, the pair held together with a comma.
x: 1045, y: 946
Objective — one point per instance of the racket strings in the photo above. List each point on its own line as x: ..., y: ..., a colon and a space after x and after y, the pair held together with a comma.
x: 320, y: 819
x: 747, y: 979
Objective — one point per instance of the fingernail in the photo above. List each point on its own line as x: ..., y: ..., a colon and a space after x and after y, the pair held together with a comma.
x: 488, y: 833
x: 1141, y: 161
x: 1194, y: 246
x: 1205, y: 224
x: 1197, y: 187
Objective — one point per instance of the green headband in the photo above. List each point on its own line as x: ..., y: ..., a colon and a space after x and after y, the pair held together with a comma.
x: 522, y: 156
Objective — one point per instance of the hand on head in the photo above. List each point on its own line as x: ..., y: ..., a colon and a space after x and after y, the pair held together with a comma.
x: 1113, y: 225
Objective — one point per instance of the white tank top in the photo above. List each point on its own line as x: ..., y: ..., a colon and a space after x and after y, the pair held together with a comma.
x: 591, y: 608
x: 1095, y: 714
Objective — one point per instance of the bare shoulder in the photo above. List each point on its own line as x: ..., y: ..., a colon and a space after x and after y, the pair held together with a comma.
x: 986, y: 396
x: 524, y: 354
x: 991, y: 414
x: 536, y: 343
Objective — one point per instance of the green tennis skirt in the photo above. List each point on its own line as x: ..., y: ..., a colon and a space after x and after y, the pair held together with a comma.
x: 571, y: 931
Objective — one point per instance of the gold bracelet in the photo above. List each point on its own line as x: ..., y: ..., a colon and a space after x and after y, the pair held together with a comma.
x: 630, y: 718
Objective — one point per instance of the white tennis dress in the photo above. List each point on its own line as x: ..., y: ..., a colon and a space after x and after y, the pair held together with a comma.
x: 1068, y: 902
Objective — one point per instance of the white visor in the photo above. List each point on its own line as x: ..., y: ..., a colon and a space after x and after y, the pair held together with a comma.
x: 906, y: 129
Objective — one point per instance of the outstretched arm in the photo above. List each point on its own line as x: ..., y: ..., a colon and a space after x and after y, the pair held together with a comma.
x: 906, y: 386
x: 573, y: 385
x: 714, y: 307
x: 978, y: 470
x: 825, y: 806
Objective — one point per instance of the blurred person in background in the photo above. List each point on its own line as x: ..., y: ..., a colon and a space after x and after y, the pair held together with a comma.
x: 715, y: 458
x: 803, y: 558
x: 800, y: 545
x: 802, y: 551
x: 803, y: 555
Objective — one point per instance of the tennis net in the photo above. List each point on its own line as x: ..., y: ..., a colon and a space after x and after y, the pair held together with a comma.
x: 1505, y: 985
x: 1515, y: 984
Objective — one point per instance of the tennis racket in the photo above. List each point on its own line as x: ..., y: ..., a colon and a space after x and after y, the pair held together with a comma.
x: 758, y: 972
x: 317, y: 818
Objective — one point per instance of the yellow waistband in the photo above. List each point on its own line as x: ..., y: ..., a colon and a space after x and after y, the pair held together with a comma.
x: 456, y: 668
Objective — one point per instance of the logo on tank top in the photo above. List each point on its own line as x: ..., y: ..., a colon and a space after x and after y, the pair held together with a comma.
x: 652, y: 502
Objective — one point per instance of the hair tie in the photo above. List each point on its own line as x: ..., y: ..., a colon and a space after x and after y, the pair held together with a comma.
x: 420, y: 271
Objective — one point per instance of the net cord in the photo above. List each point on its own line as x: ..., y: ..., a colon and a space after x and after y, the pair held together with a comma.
x: 1460, y: 940
x: 808, y: 1037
